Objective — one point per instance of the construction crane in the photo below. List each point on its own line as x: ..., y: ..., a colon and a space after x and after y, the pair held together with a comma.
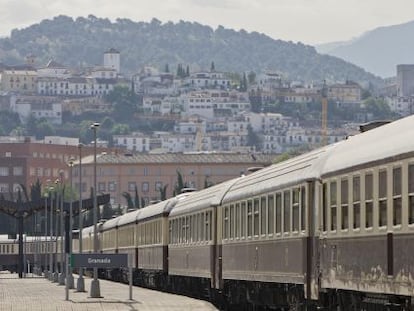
x: 324, y: 102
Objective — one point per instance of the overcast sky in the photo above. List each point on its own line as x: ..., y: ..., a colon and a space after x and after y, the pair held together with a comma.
x: 308, y: 21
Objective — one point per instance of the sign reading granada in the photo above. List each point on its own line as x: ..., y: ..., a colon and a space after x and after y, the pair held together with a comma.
x: 99, y: 260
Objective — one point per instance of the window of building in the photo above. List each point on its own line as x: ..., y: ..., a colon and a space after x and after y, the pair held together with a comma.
x: 4, y: 187
x: 17, y: 171
x: 101, y: 186
x: 132, y: 185
x: 145, y: 187
x: 4, y: 171
x: 158, y: 185
x: 382, y: 198
x: 111, y: 186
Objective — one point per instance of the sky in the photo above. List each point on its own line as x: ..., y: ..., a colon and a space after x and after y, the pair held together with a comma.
x: 308, y: 21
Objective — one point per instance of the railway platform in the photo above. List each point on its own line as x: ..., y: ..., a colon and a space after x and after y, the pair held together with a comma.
x: 37, y: 293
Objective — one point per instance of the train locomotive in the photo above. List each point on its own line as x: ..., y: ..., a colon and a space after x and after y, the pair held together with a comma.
x: 332, y: 229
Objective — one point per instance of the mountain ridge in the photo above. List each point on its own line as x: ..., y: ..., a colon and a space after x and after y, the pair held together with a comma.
x: 82, y: 41
x: 378, y: 51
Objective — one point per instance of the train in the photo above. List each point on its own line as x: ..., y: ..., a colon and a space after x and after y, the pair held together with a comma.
x: 331, y: 229
x: 36, y: 252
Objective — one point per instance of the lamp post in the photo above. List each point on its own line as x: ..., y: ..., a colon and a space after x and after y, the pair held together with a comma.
x: 69, y: 277
x: 45, y: 219
x: 50, y: 245
x: 80, y: 285
x: 95, y: 289
x: 62, y: 245
x: 56, y: 273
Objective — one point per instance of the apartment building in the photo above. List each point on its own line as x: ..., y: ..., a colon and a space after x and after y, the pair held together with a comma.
x: 118, y: 173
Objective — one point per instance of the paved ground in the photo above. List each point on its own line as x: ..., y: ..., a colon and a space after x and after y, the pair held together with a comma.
x: 37, y: 293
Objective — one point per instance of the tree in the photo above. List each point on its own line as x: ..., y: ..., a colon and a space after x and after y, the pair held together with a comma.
x: 212, y: 67
x: 137, y: 202
x: 128, y: 198
x: 124, y: 102
x: 163, y: 192
x: 251, y: 77
x: 180, y: 184
x: 167, y: 68
x: 253, y: 139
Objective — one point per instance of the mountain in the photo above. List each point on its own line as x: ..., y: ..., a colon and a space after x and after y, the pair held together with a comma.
x: 378, y: 51
x: 82, y: 41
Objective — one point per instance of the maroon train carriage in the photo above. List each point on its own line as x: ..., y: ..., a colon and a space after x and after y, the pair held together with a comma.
x: 193, y: 264
x: 268, y: 235
x: 367, y: 220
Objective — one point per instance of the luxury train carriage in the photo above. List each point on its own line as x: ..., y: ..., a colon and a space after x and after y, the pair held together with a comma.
x: 35, y: 251
x: 332, y: 229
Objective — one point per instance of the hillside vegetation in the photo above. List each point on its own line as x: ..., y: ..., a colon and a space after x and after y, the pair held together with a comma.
x: 82, y: 41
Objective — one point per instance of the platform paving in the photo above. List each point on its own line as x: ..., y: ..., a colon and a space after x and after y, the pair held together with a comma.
x: 37, y: 293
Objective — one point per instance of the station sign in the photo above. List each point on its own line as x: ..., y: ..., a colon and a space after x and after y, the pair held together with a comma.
x: 99, y: 260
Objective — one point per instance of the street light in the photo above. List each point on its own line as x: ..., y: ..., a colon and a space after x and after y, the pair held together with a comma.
x: 62, y: 245
x: 95, y: 289
x: 56, y: 273
x: 69, y: 277
x: 50, y: 245
x: 80, y: 285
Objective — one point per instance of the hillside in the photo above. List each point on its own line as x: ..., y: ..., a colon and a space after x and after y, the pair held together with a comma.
x: 378, y: 51
x: 81, y: 41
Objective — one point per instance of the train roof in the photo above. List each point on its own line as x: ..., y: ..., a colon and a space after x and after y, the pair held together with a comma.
x: 128, y: 218
x: 157, y: 209
x: 280, y: 175
x: 110, y: 223
x: 198, y: 200
x: 387, y: 141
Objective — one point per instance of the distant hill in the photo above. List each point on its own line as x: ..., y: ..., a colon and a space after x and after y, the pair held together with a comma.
x: 82, y: 41
x: 378, y: 51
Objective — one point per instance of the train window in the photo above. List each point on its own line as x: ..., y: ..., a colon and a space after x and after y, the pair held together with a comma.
x: 237, y: 233
x: 278, y: 212
x: 197, y: 228
x: 332, y: 193
x: 256, y: 217
x: 396, y: 192
x: 295, y: 209
x: 243, y: 219
x: 369, y: 204
x: 411, y: 194
x: 382, y: 198
x: 249, y: 218
x: 286, y: 211
x: 302, y: 208
x: 324, y: 207
x: 207, y: 226
x: 232, y: 215
x: 356, y: 204
x: 187, y: 229
x: 193, y: 228
x: 226, y: 223
x: 202, y: 231
x: 344, y: 204
x: 270, y: 214
x: 263, y: 215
